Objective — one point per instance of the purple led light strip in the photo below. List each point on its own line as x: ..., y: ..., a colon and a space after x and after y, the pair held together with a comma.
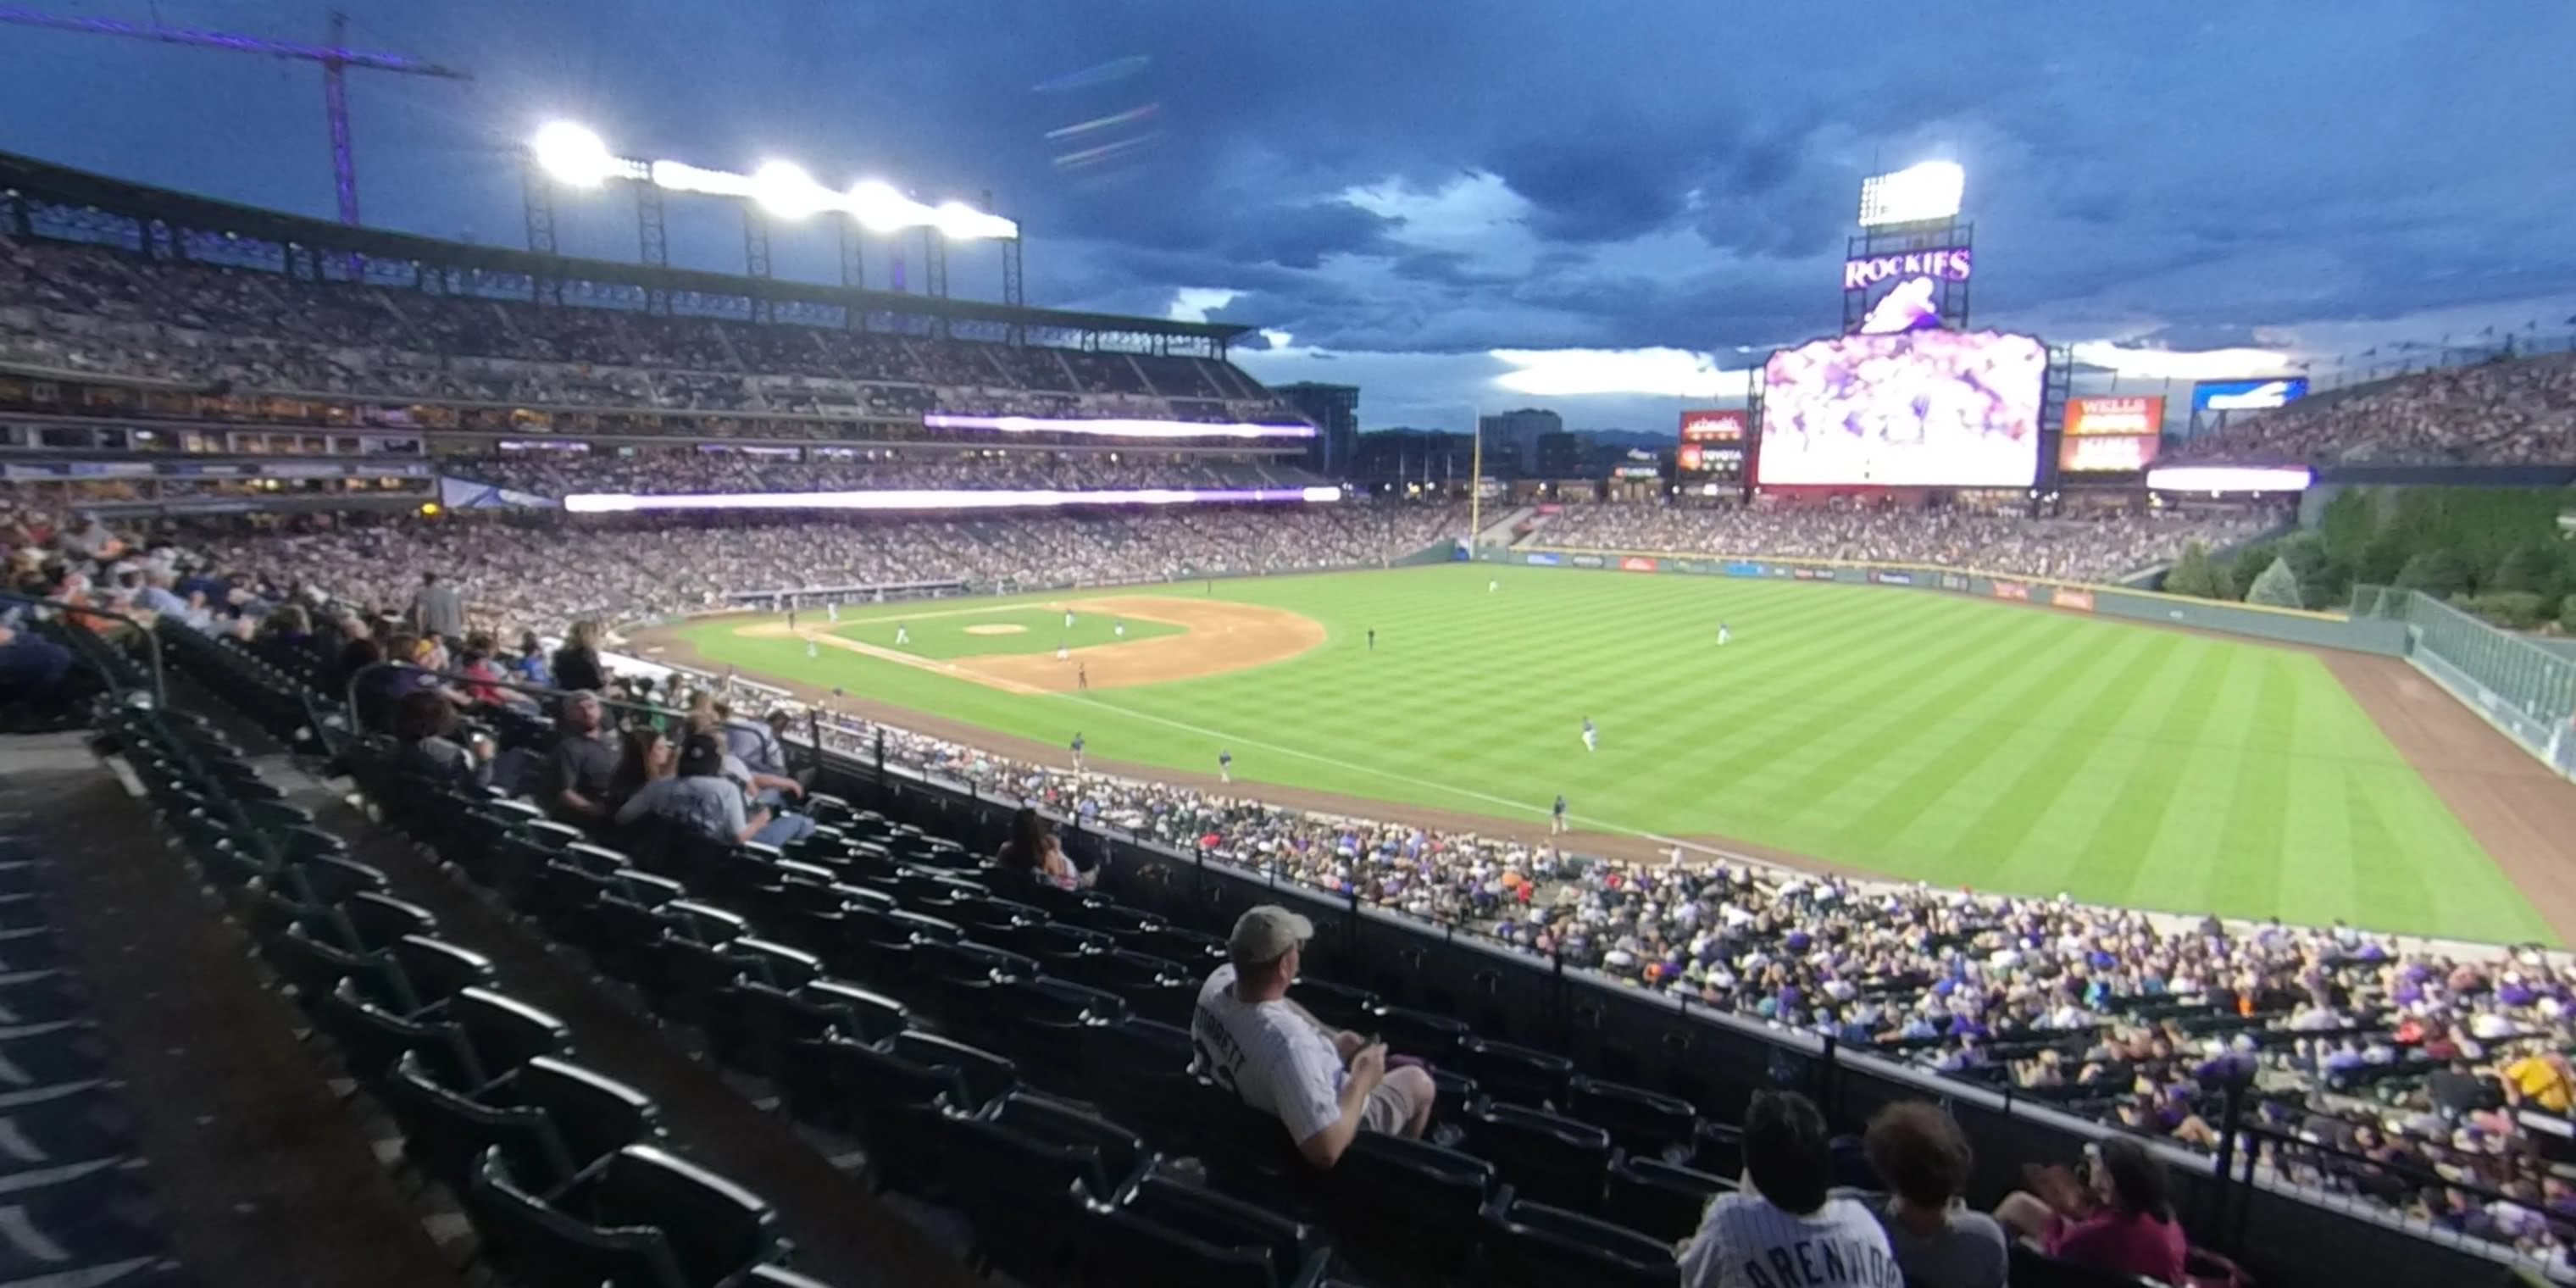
x: 936, y: 499
x: 1115, y: 428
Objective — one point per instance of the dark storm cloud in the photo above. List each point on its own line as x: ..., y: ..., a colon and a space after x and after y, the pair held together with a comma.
x: 2206, y: 170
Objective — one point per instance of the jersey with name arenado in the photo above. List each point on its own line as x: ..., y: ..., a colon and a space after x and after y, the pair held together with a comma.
x: 1746, y: 1242
x: 1269, y: 1054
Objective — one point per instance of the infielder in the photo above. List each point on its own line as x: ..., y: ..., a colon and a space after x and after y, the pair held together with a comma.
x: 832, y: 612
x: 1591, y: 735
x: 1556, y: 819
x: 1077, y: 751
x: 1062, y: 654
x: 902, y: 634
x: 810, y: 651
x: 1082, y: 677
x: 1119, y: 628
x: 1723, y: 635
x: 1492, y: 586
x: 1068, y: 619
x: 1224, y: 765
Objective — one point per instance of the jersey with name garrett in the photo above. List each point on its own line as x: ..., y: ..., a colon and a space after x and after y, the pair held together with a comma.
x: 1746, y: 1242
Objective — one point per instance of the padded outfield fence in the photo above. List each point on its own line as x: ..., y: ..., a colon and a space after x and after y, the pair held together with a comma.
x: 2522, y: 688
x: 2355, y: 633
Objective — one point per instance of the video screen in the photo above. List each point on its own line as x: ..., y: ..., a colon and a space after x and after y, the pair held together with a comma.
x: 2106, y: 453
x: 1913, y: 409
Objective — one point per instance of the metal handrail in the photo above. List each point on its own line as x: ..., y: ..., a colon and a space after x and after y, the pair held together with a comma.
x: 151, y: 637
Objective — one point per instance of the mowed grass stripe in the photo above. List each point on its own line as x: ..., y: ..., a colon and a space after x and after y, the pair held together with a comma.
x: 2378, y: 858
x: 2110, y: 857
x: 1885, y: 825
x: 2258, y: 811
x: 1857, y: 746
x: 2125, y: 676
x: 2183, y: 862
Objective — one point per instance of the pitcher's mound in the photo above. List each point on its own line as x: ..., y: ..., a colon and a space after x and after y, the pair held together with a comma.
x: 997, y: 628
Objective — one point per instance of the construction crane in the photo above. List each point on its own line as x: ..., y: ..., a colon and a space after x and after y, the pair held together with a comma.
x: 336, y: 59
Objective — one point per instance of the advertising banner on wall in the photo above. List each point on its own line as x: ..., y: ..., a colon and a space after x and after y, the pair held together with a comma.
x: 1742, y: 569
x: 1545, y: 561
x: 1635, y: 564
x: 1587, y: 561
x: 1893, y: 578
x: 1953, y: 581
x: 2079, y: 600
x: 2012, y: 590
x: 1718, y: 425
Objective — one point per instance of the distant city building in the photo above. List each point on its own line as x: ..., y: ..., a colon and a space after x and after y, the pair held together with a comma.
x: 1514, y: 435
x: 1396, y: 457
x: 1335, y: 409
x: 1558, y: 455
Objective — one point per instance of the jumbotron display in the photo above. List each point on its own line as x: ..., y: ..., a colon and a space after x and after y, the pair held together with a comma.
x: 1914, y: 409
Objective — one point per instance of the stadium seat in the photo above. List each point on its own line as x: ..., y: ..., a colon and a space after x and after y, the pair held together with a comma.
x: 1640, y: 1122
x: 1338, y: 1005
x: 1533, y: 1245
x: 1516, y: 1074
x: 1027, y: 1173
x: 1172, y: 1234
x: 2032, y: 1268
x: 981, y: 1076
x: 1140, y: 1073
x: 1543, y: 1157
x: 1408, y: 1209
x: 505, y: 1032
x: 1660, y: 1198
x: 378, y: 919
x: 438, y: 970
x: 891, y: 1104
x: 1717, y: 1149
x: 447, y: 1133
x: 595, y: 1115
x: 715, y: 1228
x: 1422, y: 1034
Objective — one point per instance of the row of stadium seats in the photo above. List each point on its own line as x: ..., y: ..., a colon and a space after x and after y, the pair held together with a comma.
x: 567, y: 1174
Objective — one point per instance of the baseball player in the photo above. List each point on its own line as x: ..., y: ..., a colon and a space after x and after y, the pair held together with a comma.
x: 832, y: 612
x: 1068, y: 619
x: 1723, y: 635
x: 1492, y: 586
x: 1372, y: 639
x: 1119, y: 628
x: 791, y: 619
x: 811, y: 652
x: 902, y: 634
x: 1591, y: 735
x: 1224, y: 765
x: 1556, y: 819
x: 1077, y: 751
x: 1062, y: 654
x: 1082, y: 676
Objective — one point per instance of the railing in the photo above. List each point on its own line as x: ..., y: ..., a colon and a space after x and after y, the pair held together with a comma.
x: 2522, y: 688
x: 44, y: 608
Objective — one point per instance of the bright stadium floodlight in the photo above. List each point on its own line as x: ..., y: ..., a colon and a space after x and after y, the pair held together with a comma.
x: 577, y: 157
x: 1916, y: 194
x: 574, y: 155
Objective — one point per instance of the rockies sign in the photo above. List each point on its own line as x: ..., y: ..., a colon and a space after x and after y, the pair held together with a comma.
x: 1949, y: 264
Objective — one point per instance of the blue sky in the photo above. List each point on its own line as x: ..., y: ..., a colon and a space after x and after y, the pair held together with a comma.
x: 1601, y: 207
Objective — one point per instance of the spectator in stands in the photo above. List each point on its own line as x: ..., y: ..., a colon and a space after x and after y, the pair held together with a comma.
x: 756, y: 743
x: 1033, y: 849
x: 577, y: 664
x: 643, y: 755
x: 2119, y: 1218
x: 690, y: 791
x: 1784, y: 1226
x: 530, y: 664
x: 32, y: 669
x: 438, y: 611
x: 424, y: 723
x: 1924, y: 1162
x: 1284, y: 1062
x: 581, y: 773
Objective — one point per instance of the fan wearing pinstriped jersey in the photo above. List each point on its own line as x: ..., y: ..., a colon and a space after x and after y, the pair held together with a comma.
x: 1784, y: 1230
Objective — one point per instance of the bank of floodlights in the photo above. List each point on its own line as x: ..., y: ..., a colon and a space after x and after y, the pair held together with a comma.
x: 1921, y: 193
x: 578, y: 158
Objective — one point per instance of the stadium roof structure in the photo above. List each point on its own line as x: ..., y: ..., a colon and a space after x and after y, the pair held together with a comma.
x: 27, y: 178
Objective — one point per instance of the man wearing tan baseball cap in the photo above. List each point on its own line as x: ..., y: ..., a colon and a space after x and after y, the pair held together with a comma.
x: 1322, y: 1084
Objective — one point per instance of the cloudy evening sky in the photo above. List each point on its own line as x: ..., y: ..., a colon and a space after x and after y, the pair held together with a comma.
x: 1598, y: 205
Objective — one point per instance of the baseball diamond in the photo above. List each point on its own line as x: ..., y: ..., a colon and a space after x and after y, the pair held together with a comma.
x: 1913, y: 736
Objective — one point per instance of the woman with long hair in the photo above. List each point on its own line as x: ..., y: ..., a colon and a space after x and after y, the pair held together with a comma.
x: 1034, y: 849
x: 2119, y: 1217
x: 693, y: 794
x: 424, y: 722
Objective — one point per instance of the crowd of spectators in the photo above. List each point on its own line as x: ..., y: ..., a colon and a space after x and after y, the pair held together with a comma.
x: 535, y: 575
x: 99, y: 310
x: 2100, y: 549
x: 2404, y: 1074
x: 556, y: 474
x: 2504, y: 412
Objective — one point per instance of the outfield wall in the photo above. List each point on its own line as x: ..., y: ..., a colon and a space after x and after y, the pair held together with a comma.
x: 2256, y: 621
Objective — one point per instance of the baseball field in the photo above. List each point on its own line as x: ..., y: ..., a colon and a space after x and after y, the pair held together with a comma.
x: 1851, y: 728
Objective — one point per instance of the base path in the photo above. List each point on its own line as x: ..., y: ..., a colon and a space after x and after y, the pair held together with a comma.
x: 2522, y: 815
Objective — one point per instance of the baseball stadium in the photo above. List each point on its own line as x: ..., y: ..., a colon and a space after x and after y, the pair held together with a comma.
x: 583, y: 761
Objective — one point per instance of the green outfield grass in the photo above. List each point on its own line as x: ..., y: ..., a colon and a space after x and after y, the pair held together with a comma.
x: 1924, y: 736
x: 945, y: 631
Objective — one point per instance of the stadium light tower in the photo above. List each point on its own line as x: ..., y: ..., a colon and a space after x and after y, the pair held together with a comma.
x: 575, y: 156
